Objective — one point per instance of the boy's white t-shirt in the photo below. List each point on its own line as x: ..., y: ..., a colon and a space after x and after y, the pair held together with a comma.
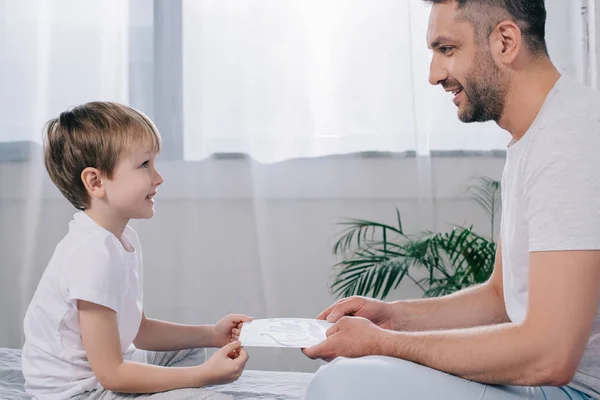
x: 551, y: 200
x: 89, y: 264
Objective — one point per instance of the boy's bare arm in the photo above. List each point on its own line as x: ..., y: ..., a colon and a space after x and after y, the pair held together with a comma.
x: 165, y: 336
x: 100, y: 336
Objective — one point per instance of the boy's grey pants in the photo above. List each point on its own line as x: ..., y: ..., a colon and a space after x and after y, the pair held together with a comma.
x: 385, y: 378
x: 183, y: 358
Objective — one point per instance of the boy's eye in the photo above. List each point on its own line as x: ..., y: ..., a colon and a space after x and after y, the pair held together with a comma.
x: 144, y: 164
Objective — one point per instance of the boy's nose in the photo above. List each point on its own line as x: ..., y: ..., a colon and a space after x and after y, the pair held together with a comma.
x: 158, y: 180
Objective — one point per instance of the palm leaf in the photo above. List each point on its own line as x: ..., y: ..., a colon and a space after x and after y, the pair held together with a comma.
x: 486, y: 192
x: 358, y: 231
x: 377, y: 257
x: 371, y: 278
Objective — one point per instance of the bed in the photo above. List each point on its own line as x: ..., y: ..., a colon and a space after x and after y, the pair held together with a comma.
x: 252, y: 385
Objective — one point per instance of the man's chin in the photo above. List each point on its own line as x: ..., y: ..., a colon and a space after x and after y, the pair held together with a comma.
x: 469, y: 115
x: 465, y: 116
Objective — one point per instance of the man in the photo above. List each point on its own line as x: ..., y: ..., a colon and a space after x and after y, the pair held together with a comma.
x: 533, y: 330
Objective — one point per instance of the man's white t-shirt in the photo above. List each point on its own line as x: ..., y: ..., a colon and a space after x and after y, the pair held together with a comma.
x: 89, y: 264
x: 551, y: 200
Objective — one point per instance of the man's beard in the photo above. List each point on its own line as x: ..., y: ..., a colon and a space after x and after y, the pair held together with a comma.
x: 485, y: 91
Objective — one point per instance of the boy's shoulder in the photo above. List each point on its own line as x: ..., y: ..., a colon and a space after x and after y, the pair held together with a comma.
x: 86, y: 242
x: 84, y: 232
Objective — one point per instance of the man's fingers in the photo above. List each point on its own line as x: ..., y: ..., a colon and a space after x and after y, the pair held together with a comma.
x: 341, y: 309
x: 312, y: 352
x: 236, y: 331
x: 326, y: 312
x: 335, y: 328
x: 317, y: 351
x: 334, y: 307
x: 335, y: 315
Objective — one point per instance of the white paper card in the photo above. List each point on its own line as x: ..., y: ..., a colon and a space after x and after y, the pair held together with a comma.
x: 283, y: 332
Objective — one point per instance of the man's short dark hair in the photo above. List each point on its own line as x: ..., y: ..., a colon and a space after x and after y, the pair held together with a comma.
x: 530, y: 15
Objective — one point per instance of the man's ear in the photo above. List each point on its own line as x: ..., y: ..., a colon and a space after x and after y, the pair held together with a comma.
x: 92, y: 181
x: 506, y: 42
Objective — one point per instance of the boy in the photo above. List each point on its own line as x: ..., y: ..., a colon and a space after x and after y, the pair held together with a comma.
x: 86, y: 318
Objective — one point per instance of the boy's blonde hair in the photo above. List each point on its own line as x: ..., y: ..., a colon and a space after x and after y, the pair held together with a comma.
x: 92, y: 135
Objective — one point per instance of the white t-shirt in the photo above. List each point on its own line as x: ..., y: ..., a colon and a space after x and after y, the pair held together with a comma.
x: 89, y: 264
x: 551, y: 200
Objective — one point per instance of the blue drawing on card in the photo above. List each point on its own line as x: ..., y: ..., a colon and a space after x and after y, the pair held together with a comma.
x: 288, y: 332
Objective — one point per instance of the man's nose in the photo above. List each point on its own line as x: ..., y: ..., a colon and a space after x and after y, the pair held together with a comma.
x: 437, y: 73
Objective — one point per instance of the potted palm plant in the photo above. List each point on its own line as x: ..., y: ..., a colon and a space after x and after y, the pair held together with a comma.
x: 377, y: 257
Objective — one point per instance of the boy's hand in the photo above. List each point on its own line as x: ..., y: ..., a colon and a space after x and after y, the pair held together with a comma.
x: 225, y: 366
x: 228, y: 329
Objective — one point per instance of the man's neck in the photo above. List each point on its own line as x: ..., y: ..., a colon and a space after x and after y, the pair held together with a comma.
x: 526, y: 95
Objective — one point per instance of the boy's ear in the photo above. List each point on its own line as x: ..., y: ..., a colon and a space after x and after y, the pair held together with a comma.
x: 92, y: 180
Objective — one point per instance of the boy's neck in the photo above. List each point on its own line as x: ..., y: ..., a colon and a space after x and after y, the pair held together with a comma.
x: 111, y: 223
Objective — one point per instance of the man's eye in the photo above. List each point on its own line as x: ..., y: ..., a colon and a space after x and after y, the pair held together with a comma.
x: 144, y: 164
x: 446, y: 49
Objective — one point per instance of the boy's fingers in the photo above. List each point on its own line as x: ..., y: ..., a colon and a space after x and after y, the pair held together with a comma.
x: 240, y: 318
x: 228, y: 348
x: 233, y: 355
x: 243, y: 356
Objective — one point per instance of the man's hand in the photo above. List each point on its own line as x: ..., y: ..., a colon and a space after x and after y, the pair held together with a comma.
x: 228, y: 329
x: 376, y: 311
x: 350, y: 337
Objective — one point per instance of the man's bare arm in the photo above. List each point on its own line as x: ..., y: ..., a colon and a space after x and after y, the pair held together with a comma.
x: 545, y: 349
x: 475, y: 306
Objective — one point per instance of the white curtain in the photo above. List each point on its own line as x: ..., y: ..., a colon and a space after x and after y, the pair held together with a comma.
x: 594, y: 24
x: 285, y: 79
x: 273, y: 79
x: 296, y: 85
x: 56, y: 54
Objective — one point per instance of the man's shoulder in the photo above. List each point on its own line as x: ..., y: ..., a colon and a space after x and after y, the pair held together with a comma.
x: 579, y: 103
x: 574, y: 119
